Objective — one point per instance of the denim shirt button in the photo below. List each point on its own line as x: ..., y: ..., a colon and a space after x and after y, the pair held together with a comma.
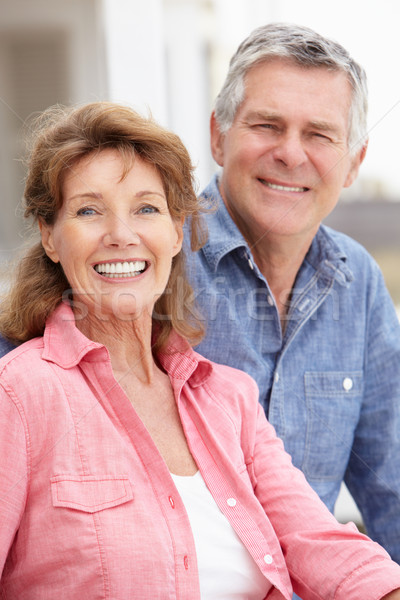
x: 347, y: 384
x: 276, y: 377
x: 250, y: 263
x: 270, y: 300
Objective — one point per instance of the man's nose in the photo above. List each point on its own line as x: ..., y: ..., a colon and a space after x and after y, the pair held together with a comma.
x: 290, y: 151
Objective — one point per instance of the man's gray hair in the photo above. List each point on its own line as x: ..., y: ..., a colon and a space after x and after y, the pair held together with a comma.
x: 304, y: 47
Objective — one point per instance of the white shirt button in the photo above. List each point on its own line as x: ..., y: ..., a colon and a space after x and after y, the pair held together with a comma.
x: 250, y: 264
x: 276, y: 377
x: 347, y: 384
x: 268, y: 559
x: 231, y: 502
x: 270, y: 300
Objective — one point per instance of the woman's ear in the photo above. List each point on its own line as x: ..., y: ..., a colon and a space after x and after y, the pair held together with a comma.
x: 46, y: 233
x: 179, y: 235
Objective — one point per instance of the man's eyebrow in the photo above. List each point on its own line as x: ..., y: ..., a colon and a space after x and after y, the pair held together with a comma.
x: 321, y: 125
x: 325, y: 126
x: 263, y: 116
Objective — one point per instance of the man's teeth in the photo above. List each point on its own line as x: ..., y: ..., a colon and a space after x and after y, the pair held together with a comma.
x: 121, y: 269
x: 284, y: 188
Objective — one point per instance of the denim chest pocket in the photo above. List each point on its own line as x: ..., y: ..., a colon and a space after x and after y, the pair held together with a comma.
x: 89, y: 493
x: 333, y: 400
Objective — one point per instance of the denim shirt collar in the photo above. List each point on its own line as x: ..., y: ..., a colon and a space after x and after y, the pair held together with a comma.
x: 326, y: 256
x: 323, y: 255
x: 224, y: 236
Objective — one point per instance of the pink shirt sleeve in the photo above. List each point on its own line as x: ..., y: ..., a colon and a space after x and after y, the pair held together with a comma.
x: 320, y: 553
x: 13, y: 471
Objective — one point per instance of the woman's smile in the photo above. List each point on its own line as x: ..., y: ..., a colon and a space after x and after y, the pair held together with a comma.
x: 121, y: 269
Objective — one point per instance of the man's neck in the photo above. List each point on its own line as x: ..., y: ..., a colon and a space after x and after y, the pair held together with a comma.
x: 279, y: 262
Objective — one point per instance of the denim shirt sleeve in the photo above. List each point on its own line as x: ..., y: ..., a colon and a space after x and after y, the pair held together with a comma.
x: 373, y: 473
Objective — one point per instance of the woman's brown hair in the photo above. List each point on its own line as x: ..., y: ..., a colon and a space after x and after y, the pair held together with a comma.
x: 63, y: 136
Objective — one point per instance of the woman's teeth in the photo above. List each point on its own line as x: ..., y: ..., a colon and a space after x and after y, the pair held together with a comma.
x: 121, y: 269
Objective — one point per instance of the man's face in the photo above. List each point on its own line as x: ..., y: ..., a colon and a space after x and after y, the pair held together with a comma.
x: 285, y: 158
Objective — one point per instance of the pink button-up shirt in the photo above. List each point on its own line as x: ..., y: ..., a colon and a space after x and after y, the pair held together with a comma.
x: 88, y: 508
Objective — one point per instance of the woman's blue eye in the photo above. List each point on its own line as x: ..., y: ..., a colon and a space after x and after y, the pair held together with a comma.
x: 86, y: 211
x: 148, y: 210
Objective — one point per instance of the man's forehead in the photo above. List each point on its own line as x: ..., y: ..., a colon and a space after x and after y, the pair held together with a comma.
x: 327, y: 91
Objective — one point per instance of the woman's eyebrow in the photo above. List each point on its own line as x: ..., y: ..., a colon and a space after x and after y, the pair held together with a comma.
x: 149, y: 193
x: 95, y: 195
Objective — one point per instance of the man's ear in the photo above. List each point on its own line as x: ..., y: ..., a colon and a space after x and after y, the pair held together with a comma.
x: 217, y: 141
x: 46, y: 233
x: 355, y: 165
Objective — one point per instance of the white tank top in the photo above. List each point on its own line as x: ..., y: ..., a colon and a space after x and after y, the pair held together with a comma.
x: 227, y: 571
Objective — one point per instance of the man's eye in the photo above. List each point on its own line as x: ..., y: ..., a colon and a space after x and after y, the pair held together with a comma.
x: 322, y: 136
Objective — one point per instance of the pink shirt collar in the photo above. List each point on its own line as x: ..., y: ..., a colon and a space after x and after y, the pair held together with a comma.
x: 65, y: 345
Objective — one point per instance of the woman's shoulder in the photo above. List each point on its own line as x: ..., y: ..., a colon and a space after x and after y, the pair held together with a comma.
x: 230, y: 384
x: 22, y: 362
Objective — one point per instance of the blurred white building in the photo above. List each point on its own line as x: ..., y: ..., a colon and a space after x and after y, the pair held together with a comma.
x: 163, y: 56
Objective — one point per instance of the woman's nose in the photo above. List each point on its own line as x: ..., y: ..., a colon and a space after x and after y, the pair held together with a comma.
x: 121, y: 232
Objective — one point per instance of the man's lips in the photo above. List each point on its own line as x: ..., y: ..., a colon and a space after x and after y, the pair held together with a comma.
x: 122, y: 269
x: 283, y: 188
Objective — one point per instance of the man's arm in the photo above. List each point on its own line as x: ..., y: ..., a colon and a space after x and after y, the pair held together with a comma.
x: 373, y: 475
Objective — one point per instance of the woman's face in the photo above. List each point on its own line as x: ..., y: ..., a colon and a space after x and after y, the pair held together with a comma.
x: 115, y: 239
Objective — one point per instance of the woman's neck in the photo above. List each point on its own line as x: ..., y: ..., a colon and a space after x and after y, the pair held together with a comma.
x: 127, y: 341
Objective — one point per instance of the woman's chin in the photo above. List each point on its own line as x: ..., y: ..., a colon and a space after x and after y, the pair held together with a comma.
x: 123, y: 312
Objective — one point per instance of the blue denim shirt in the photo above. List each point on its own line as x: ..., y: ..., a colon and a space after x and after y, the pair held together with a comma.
x: 5, y: 346
x: 331, y: 383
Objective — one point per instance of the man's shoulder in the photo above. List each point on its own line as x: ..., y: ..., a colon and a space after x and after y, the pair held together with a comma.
x: 349, y: 249
x: 344, y: 241
x: 5, y: 346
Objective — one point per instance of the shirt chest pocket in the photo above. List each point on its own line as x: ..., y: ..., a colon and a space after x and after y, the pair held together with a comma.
x: 89, y: 493
x: 333, y: 401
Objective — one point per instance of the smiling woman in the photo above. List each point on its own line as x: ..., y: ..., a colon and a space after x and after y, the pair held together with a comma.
x: 76, y: 152
x: 155, y: 468
x: 114, y: 236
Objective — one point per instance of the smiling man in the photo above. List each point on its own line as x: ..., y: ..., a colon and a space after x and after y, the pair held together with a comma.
x: 300, y: 307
